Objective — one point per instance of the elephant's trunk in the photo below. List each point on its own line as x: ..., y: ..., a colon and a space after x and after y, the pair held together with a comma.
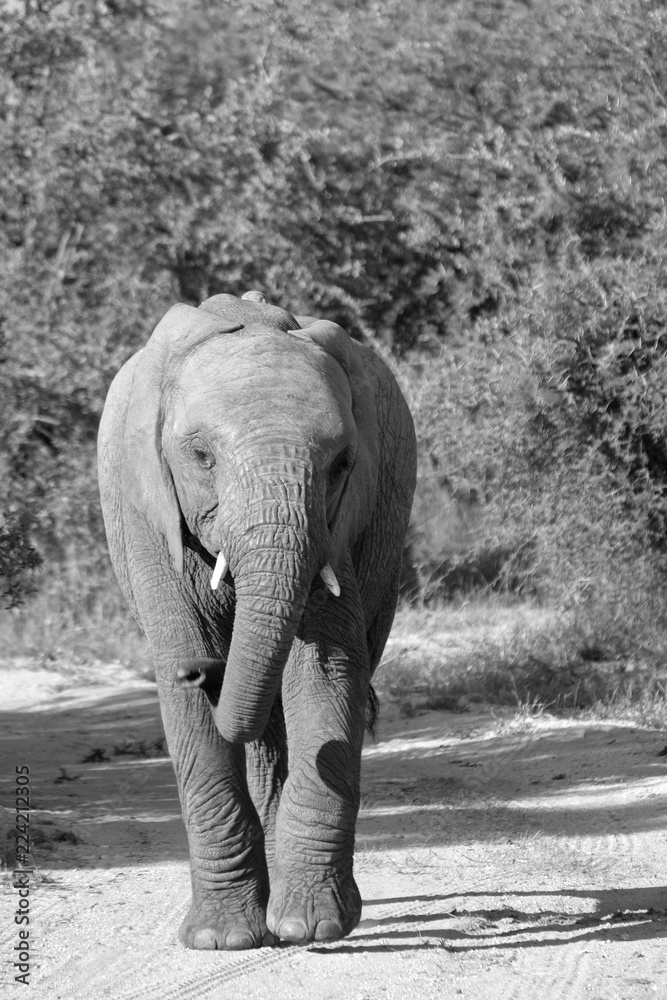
x: 273, y: 568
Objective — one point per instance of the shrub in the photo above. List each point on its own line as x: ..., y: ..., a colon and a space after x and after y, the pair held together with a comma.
x: 16, y: 556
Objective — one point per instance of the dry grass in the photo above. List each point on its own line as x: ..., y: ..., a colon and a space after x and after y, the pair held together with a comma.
x: 494, y: 651
x: 77, y: 618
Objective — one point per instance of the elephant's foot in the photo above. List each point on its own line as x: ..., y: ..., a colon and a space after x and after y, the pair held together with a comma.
x: 211, y: 926
x: 325, y: 911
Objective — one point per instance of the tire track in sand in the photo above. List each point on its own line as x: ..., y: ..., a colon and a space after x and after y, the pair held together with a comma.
x: 559, y: 973
x: 208, y: 983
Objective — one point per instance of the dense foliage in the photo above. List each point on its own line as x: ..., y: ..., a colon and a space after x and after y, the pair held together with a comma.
x: 478, y: 187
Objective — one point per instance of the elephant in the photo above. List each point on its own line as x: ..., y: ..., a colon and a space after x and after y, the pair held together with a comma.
x: 256, y: 475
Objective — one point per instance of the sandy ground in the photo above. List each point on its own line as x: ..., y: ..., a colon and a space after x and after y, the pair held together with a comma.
x: 496, y: 856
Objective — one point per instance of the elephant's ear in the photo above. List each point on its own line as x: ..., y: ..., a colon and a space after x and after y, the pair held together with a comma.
x: 357, y: 502
x: 147, y: 480
x: 305, y: 321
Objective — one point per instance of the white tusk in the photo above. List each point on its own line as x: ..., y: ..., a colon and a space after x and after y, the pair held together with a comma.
x: 330, y: 580
x: 221, y: 567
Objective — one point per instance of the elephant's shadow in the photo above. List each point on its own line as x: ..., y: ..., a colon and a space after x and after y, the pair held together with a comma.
x: 637, y: 913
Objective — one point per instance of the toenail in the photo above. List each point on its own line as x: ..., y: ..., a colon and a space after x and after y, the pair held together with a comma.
x: 328, y: 930
x: 205, y: 939
x: 294, y: 931
x: 239, y: 941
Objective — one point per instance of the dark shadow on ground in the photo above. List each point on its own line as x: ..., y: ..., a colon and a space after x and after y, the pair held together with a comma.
x: 122, y: 804
x: 417, y: 788
x: 638, y: 913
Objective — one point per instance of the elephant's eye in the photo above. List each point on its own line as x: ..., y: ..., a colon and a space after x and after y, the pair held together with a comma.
x: 340, y: 467
x: 203, y: 457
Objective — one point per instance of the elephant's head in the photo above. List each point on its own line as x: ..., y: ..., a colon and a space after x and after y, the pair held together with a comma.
x: 258, y: 436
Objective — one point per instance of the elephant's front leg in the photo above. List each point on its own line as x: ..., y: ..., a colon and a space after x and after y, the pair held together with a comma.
x: 325, y: 688
x: 229, y: 876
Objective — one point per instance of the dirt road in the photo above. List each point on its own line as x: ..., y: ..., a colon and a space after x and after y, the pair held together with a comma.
x: 497, y: 857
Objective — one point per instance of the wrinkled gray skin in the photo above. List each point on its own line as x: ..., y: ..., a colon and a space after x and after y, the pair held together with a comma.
x: 286, y: 446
